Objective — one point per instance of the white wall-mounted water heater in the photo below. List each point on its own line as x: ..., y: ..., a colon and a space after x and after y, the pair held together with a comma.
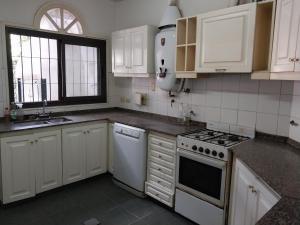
x: 165, y: 45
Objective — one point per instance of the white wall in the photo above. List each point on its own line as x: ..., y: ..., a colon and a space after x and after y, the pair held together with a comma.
x: 131, y: 13
x: 295, y: 112
x: 98, y: 16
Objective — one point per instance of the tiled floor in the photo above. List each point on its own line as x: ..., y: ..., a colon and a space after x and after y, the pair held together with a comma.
x: 97, y: 198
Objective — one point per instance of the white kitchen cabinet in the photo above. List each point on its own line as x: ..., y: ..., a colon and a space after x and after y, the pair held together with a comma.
x: 84, y: 152
x: 96, y: 149
x: 74, y: 154
x: 133, y: 52
x: 251, y: 199
x: 161, y: 163
x: 120, y: 40
x: 18, y: 168
x: 110, y: 149
x: 286, y: 36
x: 48, y: 158
x: 225, y: 40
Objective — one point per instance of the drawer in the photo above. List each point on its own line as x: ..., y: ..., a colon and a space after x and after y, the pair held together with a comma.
x: 162, y: 149
x: 159, y: 194
x: 170, y: 173
x: 162, y: 156
x: 162, y: 162
x: 161, y: 175
x: 161, y: 182
x: 163, y: 142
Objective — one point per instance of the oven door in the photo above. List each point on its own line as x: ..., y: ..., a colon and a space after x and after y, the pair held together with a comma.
x: 201, y: 176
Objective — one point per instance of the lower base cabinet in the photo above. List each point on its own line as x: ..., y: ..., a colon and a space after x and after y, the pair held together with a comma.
x: 84, y: 152
x: 44, y: 159
x: 251, y: 199
x: 48, y: 158
x: 18, y: 170
x: 160, y: 183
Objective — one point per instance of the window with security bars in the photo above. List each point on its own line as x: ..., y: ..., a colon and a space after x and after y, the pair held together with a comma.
x: 53, y: 67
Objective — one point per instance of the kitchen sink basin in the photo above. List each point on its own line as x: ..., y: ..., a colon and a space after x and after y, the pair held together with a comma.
x: 41, y: 122
x: 58, y: 120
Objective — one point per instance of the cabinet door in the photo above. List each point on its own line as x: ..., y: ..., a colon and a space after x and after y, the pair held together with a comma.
x: 96, y: 150
x: 285, y: 36
x: 120, y: 52
x: 74, y: 155
x: 297, y: 11
x: 265, y: 200
x: 48, y: 159
x: 110, y: 149
x: 242, y: 196
x: 18, y: 171
x: 138, y: 41
x: 225, y: 40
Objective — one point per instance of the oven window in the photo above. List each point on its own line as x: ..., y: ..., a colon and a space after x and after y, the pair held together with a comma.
x: 200, y: 177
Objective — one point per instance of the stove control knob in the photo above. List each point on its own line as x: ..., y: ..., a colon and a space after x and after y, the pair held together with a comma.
x: 221, y: 155
x: 201, y: 149
x: 207, y: 151
x: 194, y: 147
x: 214, y: 153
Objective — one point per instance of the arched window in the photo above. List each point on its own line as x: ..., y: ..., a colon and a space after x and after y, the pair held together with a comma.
x: 60, y: 18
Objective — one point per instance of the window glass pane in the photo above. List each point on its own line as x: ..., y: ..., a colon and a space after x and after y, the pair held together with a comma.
x: 33, y: 76
x: 75, y: 29
x: 46, y: 24
x: 53, y: 48
x: 55, y: 15
x: 15, y: 42
x: 35, y: 47
x: 68, y: 18
x: 81, y: 71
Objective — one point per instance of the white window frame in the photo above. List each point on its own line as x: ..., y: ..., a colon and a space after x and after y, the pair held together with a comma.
x: 48, y: 6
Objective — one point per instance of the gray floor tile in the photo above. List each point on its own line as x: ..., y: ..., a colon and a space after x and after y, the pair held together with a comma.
x: 97, y: 198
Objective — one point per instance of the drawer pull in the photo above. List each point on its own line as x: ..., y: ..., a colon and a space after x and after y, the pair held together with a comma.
x: 221, y: 70
x: 159, y: 169
x: 158, y: 182
x: 159, y: 156
x: 157, y: 195
x: 160, y: 144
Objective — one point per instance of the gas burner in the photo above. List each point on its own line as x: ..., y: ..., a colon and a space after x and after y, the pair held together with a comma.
x: 227, y: 140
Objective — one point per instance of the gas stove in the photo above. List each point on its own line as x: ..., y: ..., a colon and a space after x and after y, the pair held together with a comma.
x: 211, y: 143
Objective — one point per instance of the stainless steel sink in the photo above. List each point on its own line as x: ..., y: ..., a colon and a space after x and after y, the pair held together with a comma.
x: 58, y: 120
x: 42, y: 122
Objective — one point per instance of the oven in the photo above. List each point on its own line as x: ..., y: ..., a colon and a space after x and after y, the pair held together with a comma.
x: 202, y: 176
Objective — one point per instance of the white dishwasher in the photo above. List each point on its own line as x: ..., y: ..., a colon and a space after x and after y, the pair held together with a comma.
x: 130, y: 152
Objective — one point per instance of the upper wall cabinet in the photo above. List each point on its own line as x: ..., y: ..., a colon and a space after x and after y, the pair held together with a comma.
x: 133, y: 52
x: 186, y: 47
x: 225, y: 40
x: 286, y: 47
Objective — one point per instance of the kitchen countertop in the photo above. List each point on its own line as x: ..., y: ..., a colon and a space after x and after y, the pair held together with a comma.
x: 147, y: 121
x: 278, y: 165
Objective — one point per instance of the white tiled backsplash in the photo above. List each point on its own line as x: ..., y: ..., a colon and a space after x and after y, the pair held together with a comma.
x: 229, y: 99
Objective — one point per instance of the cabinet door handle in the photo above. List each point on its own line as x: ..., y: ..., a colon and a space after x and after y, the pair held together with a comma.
x: 292, y: 59
x: 36, y: 141
x: 297, y: 60
x: 84, y: 132
x: 251, y: 187
x: 31, y: 142
x: 88, y: 131
x: 254, y: 191
x: 221, y: 70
